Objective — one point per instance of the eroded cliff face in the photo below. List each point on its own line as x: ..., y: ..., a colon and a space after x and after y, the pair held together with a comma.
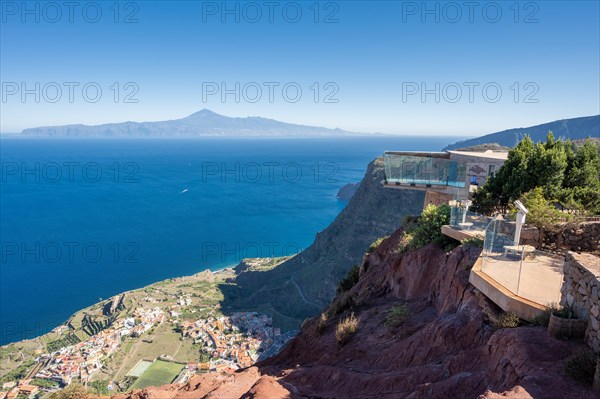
x: 448, y: 348
x: 304, y: 284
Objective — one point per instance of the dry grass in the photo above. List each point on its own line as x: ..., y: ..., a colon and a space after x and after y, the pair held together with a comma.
x: 506, y: 320
x: 321, y: 324
x: 345, y: 329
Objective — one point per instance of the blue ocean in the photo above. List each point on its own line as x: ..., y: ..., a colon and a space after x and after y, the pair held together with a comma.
x: 84, y: 219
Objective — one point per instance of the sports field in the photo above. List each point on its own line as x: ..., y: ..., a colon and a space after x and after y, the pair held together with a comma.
x: 159, y: 373
x: 139, y: 368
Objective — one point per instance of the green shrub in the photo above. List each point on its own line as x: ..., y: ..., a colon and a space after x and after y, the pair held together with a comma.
x: 542, y: 213
x: 42, y: 382
x: 204, y: 357
x: 397, y: 315
x: 349, y: 281
x: 341, y: 303
x: 99, y: 387
x: 376, y: 244
x: 582, y: 366
x: 450, y: 245
x: 18, y: 373
x: 506, y: 320
x: 345, y: 329
x: 428, y: 228
x: 561, y: 170
x: 73, y: 391
x: 473, y: 242
x: 564, y: 312
x: 543, y: 319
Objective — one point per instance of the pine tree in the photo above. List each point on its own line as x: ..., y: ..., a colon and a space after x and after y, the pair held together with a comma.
x: 563, y: 173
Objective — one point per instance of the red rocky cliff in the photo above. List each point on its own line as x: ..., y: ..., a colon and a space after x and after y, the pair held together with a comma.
x: 448, y: 347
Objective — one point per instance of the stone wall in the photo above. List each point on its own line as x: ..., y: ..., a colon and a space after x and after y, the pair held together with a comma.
x: 579, y: 237
x: 581, y: 291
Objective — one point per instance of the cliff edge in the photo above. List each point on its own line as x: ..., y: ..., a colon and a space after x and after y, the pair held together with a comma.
x: 303, y: 285
x: 447, y: 347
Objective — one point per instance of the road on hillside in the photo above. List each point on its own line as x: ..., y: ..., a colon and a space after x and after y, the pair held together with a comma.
x: 305, y: 299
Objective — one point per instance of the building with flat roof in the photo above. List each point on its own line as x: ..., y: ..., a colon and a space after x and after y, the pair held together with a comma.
x: 28, y: 390
x: 444, y: 176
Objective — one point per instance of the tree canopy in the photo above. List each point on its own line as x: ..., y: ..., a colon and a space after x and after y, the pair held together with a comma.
x: 551, y: 175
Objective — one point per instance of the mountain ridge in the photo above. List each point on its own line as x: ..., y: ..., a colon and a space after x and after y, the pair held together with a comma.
x: 203, y: 123
x: 573, y: 128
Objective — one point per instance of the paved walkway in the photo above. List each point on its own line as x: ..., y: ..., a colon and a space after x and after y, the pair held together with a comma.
x: 537, y: 278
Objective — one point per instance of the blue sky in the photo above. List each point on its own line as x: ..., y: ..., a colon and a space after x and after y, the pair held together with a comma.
x: 360, y: 66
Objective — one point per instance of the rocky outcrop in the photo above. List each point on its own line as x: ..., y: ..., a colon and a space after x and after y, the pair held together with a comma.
x: 304, y: 284
x: 204, y: 386
x: 114, y: 305
x: 447, y: 348
x: 347, y: 192
x: 373, y: 212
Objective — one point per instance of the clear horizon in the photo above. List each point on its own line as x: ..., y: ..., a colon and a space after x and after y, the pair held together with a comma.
x: 397, y: 68
x: 408, y: 134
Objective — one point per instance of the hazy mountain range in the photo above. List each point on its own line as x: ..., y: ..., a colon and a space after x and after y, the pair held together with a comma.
x: 206, y: 123
x: 575, y: 128
x: 200, y: 124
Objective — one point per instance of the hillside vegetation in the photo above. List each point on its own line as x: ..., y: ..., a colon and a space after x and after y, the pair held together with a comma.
x: 554, y: 179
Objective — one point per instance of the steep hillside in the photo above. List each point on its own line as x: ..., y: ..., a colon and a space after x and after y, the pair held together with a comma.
x: 303, y: 285
x: 576, y: 128
x: 448, y: 347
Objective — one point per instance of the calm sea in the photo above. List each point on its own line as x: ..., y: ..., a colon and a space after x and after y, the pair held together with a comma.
x: 84, y: 219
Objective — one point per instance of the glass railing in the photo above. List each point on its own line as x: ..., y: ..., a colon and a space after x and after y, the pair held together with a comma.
x: 435, y: 169
x: 522, y: 269
x: 462, y: 219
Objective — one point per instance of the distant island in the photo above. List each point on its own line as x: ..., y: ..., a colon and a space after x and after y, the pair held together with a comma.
x: 204, y: 123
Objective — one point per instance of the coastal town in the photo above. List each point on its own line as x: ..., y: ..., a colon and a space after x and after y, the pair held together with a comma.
x: 81, y: 361
x: 237, y: 341
x: 227, y: 344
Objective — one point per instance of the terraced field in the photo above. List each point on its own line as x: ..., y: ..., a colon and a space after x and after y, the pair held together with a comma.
x: 67, y: 340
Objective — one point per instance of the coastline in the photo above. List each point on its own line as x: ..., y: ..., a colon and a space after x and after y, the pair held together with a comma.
x: 216, y: 272
x: 222, y: 269
x: 150, y: 322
